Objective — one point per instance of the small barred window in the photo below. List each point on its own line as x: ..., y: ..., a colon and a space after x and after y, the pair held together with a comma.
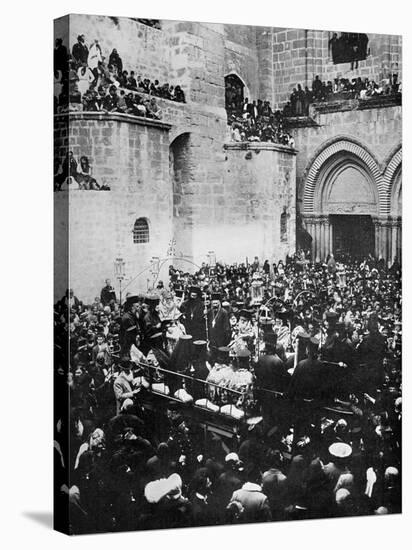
x: 141, y: 231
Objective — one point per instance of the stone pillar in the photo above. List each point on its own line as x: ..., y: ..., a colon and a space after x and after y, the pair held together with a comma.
x: 330, y: 237
x: 310, y: 228
x: 399, y: 238
x: 322, y: 239
x: 317, y: 239
x: 376, y: 223
x: 387, y: 240
x: 325, y: 237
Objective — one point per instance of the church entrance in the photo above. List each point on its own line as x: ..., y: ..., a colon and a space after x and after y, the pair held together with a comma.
x: 353, y: 236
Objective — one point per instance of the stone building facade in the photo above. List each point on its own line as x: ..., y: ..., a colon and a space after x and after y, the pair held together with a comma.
x: 198, y: 192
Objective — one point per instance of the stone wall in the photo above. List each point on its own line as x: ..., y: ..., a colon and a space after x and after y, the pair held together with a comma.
x: 177, y: 173
x: 131, y: 39
x: 295, y: 56
x: 257, y: 188
x: 241, y: 57
x: 378, y: 130
x: 132, y: 157
x: 364, y: 146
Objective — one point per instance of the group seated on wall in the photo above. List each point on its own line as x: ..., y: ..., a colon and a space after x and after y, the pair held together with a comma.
x: 339, y: 89
x: 71, y: 174
x: 86, y: 70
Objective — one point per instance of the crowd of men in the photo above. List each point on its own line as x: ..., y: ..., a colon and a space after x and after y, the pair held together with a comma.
x: 87, y: 79
x: 304, y: 358
x: 340, y: 88
x: 256, y: 121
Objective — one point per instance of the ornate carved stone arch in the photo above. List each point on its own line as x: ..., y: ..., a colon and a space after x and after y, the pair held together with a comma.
x: 393, y: 180
x: 340, y: 145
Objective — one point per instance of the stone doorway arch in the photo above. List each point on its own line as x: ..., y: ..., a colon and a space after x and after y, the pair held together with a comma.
x: 344, y: 200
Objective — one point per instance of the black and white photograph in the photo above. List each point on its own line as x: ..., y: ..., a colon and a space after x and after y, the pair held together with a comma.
x: 228, y: 274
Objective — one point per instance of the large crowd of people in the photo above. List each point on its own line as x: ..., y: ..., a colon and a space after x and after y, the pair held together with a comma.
x: 86, y: 77
x: 303, y: 358
x: 340, y: 88
x: 256, y: 121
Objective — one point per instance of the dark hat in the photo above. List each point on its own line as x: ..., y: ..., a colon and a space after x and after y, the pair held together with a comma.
x: 270, y: 338
x: 332, y: 316
x: 243, y: 353
x: 132, y: 299
x: 283, y: 313
x: 265, y: 322
x: 173, y: 406
x: 125, y: 363
x: 200, y: 343
x: 216, y: 296
x: 195, y: 289
x: 245, y: 314
x: 223, y: 353
x: 152, y: 299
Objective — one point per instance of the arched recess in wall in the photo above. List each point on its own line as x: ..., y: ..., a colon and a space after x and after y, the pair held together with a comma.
x: 345, y: 185
x: 338, y: 161
x: 235, y: 92
x: 181, y: 177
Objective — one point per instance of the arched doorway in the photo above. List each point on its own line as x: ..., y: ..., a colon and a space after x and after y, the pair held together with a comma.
x: 181, y: 176
x: 348, y: 197
x: 342, y: 202
x: 234, y: 95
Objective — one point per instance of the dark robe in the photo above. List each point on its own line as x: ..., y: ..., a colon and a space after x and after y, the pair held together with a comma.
x: 107, y: 294
x: 194, y: 318
x: 219, y: 328
x: 128, y: 331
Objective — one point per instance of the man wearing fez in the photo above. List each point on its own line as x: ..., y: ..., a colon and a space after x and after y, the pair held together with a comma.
x: 194, y: 314
x: 107, y: 294
x: 218, y: 324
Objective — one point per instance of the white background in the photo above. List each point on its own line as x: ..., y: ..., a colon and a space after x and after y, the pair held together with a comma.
x: 27, y: 270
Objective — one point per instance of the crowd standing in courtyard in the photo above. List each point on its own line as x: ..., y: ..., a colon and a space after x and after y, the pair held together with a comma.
x: 305, y: 357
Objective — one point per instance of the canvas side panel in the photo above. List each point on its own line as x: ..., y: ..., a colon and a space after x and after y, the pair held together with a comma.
x: 61, y: 282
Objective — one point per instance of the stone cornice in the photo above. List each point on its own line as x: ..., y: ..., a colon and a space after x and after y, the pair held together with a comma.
x: 259, y: 146
x: 117, y: 117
